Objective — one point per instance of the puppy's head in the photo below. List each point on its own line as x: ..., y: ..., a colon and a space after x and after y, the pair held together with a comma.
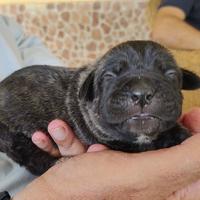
x: 134, y: 93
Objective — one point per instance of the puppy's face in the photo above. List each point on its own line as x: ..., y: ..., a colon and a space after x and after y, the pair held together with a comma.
x: 135, y: 92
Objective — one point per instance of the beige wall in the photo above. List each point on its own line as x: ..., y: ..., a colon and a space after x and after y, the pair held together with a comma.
x: 40, y: 1
x: 78, y: 32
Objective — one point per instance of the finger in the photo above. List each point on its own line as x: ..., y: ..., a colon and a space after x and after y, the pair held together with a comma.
x: 172, y: 168
x: 191, y: 192
x: 64, y: 137
x: 192, y: 120
x: 97, y: 147
x: 42, y: 141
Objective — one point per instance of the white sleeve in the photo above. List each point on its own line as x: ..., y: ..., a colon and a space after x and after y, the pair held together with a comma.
x: 13, y: 178
x: 32, y: 50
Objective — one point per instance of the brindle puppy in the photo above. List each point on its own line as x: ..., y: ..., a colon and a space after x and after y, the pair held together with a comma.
x: 129, y: 100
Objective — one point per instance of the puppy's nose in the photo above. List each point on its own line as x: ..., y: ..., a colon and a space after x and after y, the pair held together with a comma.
x: 142, y: 91
x: 142, y: 96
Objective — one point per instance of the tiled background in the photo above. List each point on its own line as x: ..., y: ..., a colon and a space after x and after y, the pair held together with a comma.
x: 78, y: 32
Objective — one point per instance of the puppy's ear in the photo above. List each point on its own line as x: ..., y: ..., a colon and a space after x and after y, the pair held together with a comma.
x: 86, y: 91
x: 191, y: 81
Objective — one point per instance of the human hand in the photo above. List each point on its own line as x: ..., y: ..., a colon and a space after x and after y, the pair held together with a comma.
x: 116, y: 175
x: 63, y: 136
x: 67, y: 143
x: 192, y: 191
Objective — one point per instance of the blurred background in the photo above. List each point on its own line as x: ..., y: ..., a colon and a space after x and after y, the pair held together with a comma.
x: 79, y: 31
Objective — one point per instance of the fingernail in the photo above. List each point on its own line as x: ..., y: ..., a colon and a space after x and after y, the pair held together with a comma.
x: 40, y: 143
x: 59, y: 134
x: 96, y: 147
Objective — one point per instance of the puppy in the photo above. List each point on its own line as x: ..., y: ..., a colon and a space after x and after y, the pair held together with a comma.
x: 129, y: 100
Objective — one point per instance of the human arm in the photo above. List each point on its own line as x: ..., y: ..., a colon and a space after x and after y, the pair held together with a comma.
x: 171, y: 30
x: 192, y: 191
x: 113, y: 175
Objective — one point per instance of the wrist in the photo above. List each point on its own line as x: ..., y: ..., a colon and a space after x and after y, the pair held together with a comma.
x: 37, y: 189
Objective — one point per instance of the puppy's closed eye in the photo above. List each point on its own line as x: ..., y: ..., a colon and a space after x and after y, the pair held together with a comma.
x: 173, y: 76
x: 120, y: 67
x: 109, y: 75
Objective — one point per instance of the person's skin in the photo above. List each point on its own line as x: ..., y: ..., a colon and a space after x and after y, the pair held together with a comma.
x: 171, y: 30
x: 61, y: 133
x: 191, y: 192
x: 157, y: 175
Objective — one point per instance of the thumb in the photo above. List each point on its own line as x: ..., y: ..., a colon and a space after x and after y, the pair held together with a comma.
x: 191, y: 192
x: 96, y: 148
x: 191, y: 120
x: 173, y: 168
x: 184, y: 163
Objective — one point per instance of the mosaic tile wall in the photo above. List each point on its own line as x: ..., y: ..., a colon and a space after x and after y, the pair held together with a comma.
x: 79, y: 32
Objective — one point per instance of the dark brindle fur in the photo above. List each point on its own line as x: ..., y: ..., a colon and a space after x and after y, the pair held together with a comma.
x: 129, y: 100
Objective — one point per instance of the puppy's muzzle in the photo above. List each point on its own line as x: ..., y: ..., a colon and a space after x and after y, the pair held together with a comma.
x: 131, y: 105
x: 131, y: 96
x: 141, y: 91
x: 142, y: 124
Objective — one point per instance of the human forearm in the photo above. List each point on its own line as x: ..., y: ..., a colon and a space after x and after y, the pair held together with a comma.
x: 112, y: 175
x: 69, y: 180
x: 175, y: 33
x: 35, y: 190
